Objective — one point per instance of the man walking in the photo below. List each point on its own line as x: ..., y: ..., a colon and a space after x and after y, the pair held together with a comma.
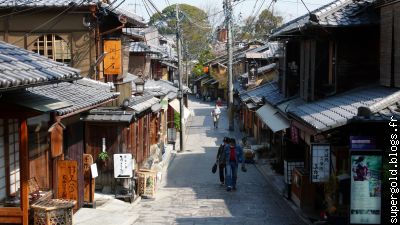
x: 221, y: 160
x: 234, y: 155
x: 215, y: 114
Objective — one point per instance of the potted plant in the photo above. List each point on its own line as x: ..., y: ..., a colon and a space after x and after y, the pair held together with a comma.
x: 103, y: 157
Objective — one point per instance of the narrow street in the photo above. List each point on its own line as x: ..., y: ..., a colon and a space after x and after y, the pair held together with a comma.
x: 191, y: 194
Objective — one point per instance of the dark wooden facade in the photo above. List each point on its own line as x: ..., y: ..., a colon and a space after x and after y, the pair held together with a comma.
x: 136, y: 138
x: 315, y: 68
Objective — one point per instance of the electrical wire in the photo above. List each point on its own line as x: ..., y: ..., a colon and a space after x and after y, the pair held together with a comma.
x: 145, y: 6
x: 47, y: 22
x: 152, y: 4
x: 192, y: 22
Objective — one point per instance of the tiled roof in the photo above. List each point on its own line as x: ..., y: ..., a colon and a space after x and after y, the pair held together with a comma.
x: 133, y: 32
x: 131, y: 17
x: 20, y: 68
x: 338, y: 13
x: 269, y: 91
x: 261, y: 70
x: 45, y: 3
x: 336, y: 111
x: 109, y: 115
x: 199, y: 78
x: 162, y: 87
x: 141, y: 103
x: 82, y: 94
x: 266, y: 51
x: 141, y: 47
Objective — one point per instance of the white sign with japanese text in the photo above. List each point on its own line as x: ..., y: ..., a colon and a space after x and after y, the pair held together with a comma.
x: 320, y: 162
x: 123, y: 166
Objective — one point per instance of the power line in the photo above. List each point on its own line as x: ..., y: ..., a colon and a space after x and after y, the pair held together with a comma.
x: 192, y: 22
x: 47, y: 22
x: 152, y: 4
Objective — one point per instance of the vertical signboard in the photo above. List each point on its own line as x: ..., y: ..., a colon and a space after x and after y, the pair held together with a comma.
x: 112, y: 60
x: 365, y: 196
x: 123, y: 166
x: 67, y: 176
x: 88, y: 195
x: 320, y: 164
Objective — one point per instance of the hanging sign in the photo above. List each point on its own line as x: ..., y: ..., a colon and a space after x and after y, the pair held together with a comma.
x: 123, y: 166
x: 320, y: 164
x: 365, y: 195
x: 362, y: 142
x: 112, y: 60
x: 294, y: 133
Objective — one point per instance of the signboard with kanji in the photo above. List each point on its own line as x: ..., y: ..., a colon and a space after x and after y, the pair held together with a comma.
x: 320, y: 164
x: 112, y: 60
x: 123, y: 166
x: 67, y: 176
x: 88, y: 178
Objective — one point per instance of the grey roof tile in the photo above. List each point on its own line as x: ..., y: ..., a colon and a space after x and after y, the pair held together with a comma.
x: 109, y: 115
x: 81, y: 94
x: 269, y: 91
x: 336, y: 111
x: 20, y: 68
x: 335, y: 14
x: 131, y: 17
x: 141, y: 103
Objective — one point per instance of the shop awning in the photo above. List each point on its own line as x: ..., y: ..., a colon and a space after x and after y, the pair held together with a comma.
x: 175, y: 105
x: 271, y: 117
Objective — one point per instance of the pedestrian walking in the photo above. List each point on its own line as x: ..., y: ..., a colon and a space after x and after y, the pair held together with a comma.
x: 221, y: 161
x: 219, y: 102
x: 234, y: 155
x: 215, y: 114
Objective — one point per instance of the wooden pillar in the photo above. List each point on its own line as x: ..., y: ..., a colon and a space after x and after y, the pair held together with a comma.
x: 24, y: 165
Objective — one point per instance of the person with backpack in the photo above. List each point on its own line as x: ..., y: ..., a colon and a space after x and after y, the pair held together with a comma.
x: 221, y: 160
x: 233, y: 156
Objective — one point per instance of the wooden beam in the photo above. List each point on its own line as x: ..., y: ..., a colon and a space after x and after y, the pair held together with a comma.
x: 313, y: 51
x: 24, y: 172
x: 330, y: 61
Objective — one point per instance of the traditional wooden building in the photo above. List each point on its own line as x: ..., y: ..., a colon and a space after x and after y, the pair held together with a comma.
x: 126, y: 129
x: 330, y: 74
x: 79, y: 33
x: 39, y: 129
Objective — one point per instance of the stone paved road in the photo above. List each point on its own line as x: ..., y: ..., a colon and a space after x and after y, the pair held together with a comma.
x: 191, y: 194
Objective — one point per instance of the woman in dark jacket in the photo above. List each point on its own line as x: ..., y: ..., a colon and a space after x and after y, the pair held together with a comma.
x: 221, y: 160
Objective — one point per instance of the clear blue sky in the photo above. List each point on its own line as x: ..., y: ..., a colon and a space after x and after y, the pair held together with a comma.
x: 289, y: 9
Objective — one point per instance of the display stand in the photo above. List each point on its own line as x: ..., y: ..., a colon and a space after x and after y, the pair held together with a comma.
x: 53, y: 212
x: 147, y: 183
x: 123, y: 173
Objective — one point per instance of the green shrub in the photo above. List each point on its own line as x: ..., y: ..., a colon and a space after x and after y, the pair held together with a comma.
x: 177, y: 123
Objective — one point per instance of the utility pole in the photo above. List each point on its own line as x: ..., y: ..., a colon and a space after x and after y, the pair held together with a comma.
x: 180, y: 92
x: 187, y: 59
x: 228, y: 20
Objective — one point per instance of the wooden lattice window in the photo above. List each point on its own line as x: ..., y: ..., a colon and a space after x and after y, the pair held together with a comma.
x: 13, y: 154
x: 9, y: 163
x: 3, y: 190
x: 54, y: 47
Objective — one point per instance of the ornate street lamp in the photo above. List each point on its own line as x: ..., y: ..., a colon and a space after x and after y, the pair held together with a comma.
x: 139, y: 83
x: 253, y: 70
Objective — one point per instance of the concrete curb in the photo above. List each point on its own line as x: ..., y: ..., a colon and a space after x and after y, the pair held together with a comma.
x: 290, y: 203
